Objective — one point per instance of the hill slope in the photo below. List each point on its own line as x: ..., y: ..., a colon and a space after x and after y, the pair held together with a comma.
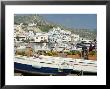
x: 45, y: 26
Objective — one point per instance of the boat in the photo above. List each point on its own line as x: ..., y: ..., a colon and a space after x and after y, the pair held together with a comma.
x: 48, y: 65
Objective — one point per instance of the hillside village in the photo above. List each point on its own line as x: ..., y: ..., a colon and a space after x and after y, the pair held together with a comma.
x: 44, y: 48
x: 55, y: 39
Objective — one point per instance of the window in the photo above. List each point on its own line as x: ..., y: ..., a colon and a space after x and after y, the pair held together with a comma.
x: 41, y: 37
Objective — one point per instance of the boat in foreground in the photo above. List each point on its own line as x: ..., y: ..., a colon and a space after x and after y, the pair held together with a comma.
x: 48, y: 65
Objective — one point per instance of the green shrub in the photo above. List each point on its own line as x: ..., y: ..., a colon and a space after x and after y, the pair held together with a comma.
x: 69, y: 53
x: 73, y: 52
x: 78, y: 52
x: 49, y: 53
x: 54, y: 53
x: 65, y: 52
x: 92, y: 53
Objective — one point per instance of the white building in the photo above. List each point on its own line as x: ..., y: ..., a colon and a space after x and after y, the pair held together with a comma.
x: 75, y: 38
x: 59, y: 39
x: 20, y: 38
x: 32, y: 24
x: 31, y: 34
x: 40, y: 42
x: 58, y: 35
x: 41, y: 37
x: 18, y: 27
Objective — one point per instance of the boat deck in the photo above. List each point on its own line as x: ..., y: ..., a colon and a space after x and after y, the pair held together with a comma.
x: 58, y: 62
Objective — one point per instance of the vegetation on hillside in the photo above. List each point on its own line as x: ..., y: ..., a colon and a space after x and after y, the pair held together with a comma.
x: 45, y: 26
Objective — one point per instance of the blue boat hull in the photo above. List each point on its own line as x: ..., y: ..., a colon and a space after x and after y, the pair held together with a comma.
x: 44, y: 70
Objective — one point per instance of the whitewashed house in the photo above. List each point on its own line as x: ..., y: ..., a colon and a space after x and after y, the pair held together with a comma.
x: 20, y: 38
x: 32, y: 24
x: 75, y: 38
x: 41, y: 37
x: 18, y: 27
x: 40, y: 42
x: 59, y: 39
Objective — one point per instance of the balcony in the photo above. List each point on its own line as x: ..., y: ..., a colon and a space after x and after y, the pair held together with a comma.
x: 44, y: 41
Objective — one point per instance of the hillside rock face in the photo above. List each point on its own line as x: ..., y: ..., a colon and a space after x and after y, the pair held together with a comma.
x: 45, y: 26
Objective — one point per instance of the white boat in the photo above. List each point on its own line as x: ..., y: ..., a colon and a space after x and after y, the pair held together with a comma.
x: 54, y: 65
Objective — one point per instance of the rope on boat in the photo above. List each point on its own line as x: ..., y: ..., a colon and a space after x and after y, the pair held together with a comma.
x: 60, y: 69
x: 80, y: 73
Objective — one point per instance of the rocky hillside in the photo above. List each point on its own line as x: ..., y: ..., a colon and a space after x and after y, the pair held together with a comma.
x: 45, y: 26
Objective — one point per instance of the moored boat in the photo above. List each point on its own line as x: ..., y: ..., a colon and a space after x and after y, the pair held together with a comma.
x: 53, y: 65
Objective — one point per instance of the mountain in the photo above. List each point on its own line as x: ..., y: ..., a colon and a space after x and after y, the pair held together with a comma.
x: 22, y: 18
x: 33, y: 18
x: 45, y: 26
x: 86, y: 33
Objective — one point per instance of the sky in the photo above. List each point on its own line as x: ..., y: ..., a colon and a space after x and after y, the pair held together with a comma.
x: 86, y: 21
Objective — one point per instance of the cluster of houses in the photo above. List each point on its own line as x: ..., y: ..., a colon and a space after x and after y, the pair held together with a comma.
x: 56, y: 39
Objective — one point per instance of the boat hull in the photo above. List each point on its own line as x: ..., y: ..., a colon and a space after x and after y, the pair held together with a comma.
x: 42, y: 70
